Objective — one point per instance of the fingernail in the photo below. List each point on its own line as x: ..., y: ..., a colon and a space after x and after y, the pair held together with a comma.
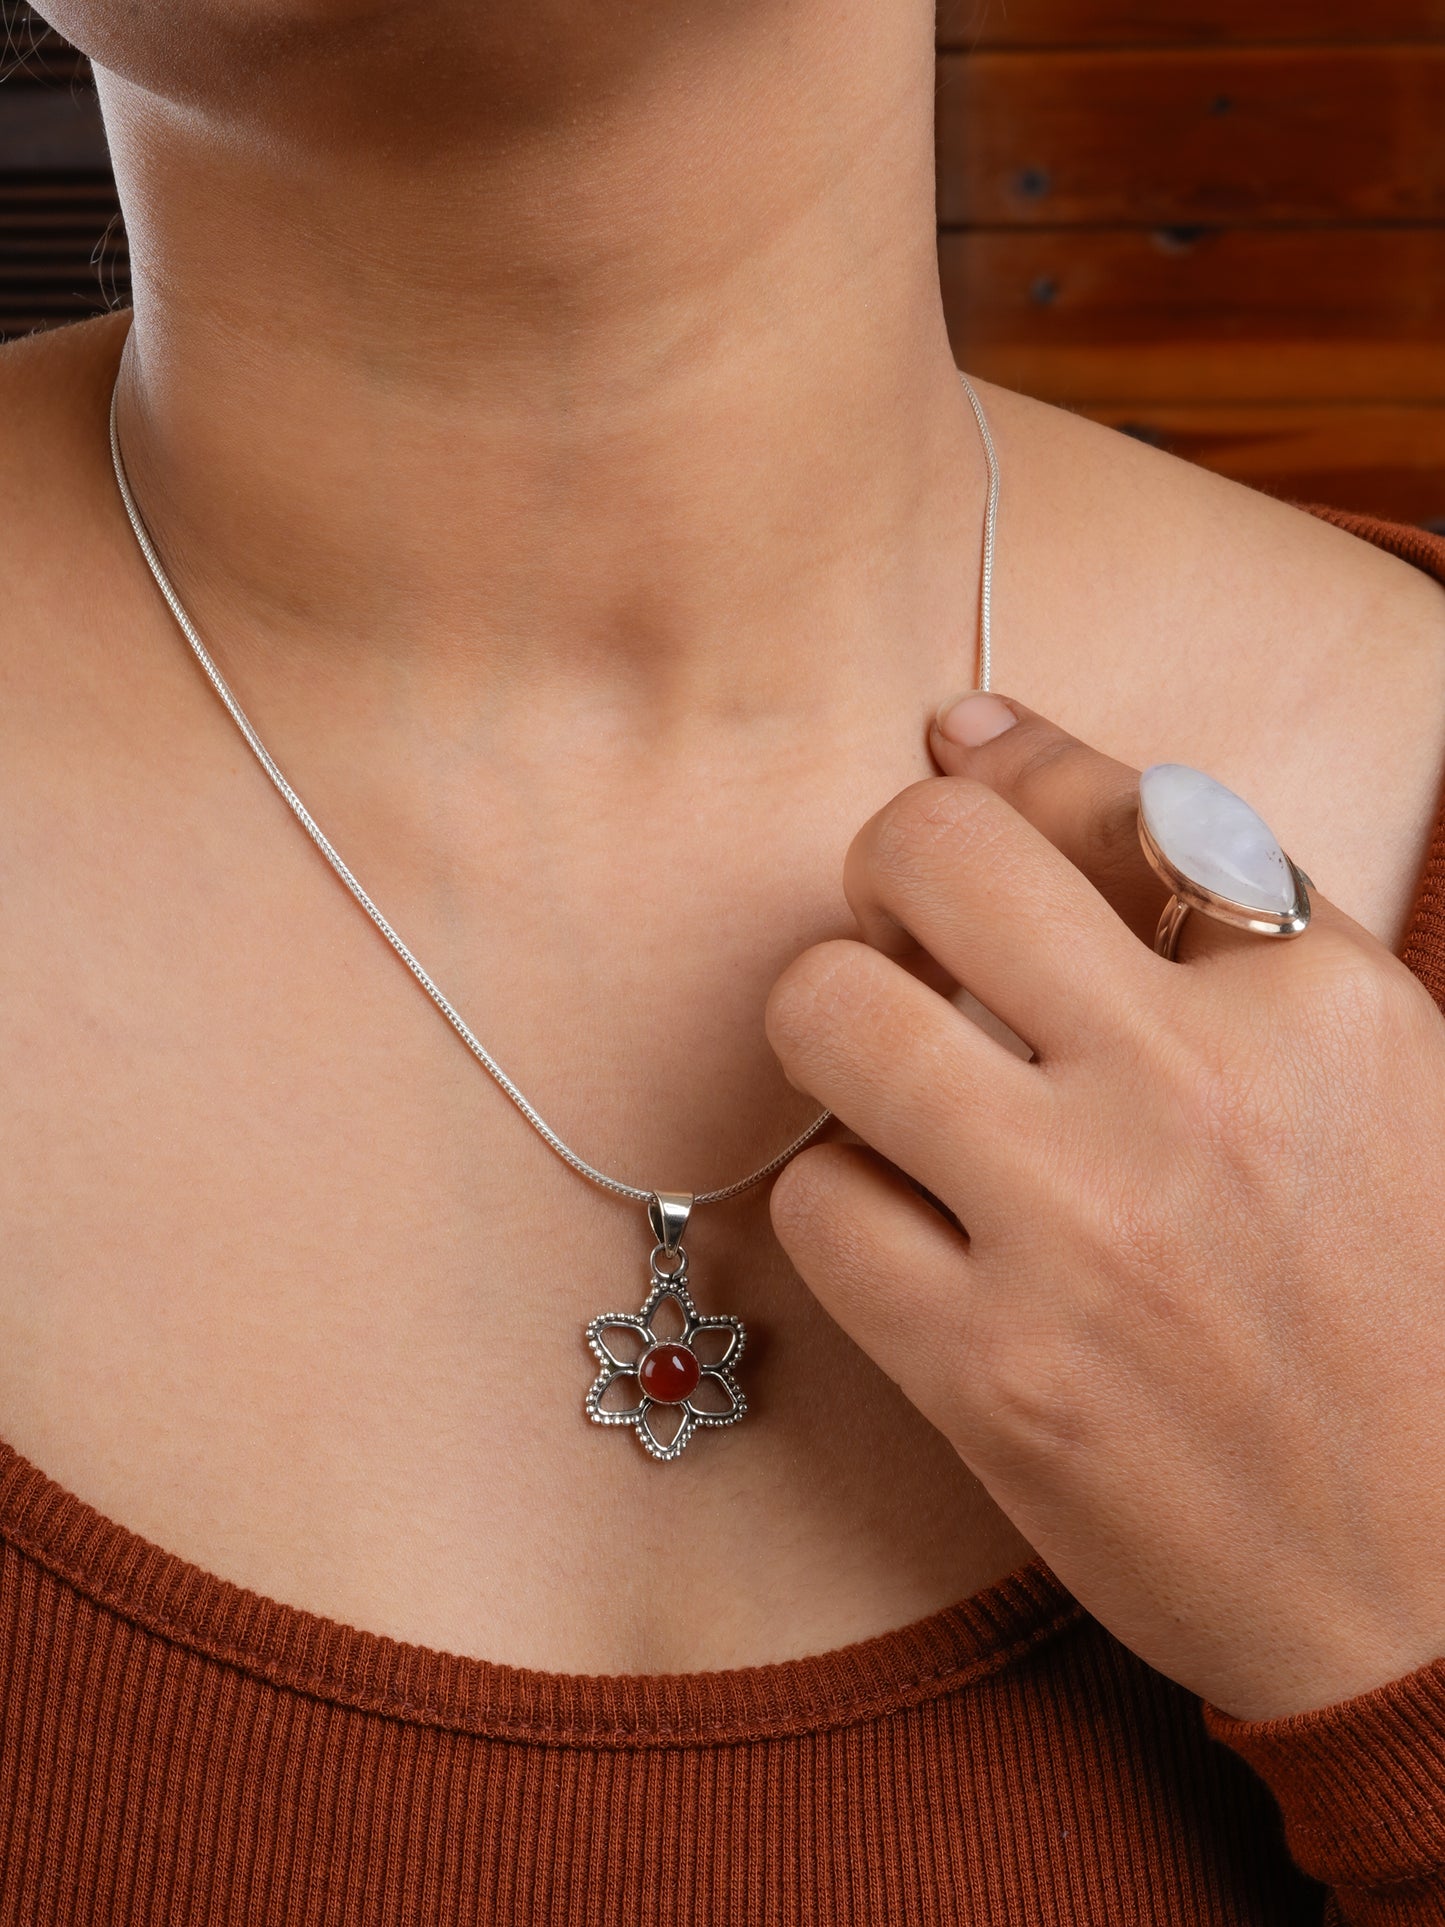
x: 974, y: 719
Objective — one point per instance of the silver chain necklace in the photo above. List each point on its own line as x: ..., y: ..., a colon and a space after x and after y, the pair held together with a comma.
x: 665, y: 1370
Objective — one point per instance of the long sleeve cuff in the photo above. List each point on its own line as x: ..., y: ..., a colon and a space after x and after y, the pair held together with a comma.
x: 1361, y: 1787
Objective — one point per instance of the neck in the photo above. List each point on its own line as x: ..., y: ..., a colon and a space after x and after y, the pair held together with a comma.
x: 631, y: 388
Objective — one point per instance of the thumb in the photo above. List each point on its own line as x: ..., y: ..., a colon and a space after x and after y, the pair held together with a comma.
x: 966, y: 723
x: 1084, y: 802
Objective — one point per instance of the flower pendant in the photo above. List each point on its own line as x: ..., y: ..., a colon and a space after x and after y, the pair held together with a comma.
x: 666, y: 1370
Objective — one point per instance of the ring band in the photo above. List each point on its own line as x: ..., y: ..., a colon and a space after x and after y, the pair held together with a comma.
x: 1216, y: 855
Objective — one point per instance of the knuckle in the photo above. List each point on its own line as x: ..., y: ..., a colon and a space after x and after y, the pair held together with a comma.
x: 1109, y: 841
x: 830, y: 983
x: 1206, y: 1117
x: 820, y: 1215
x: 1061, y: 783
x: 1027, y: 1393
x: 1038, y: 755
x: 940, y: 814
x: 1366, y: 998
x: 1229, y: 1117
x: 803, y: 1199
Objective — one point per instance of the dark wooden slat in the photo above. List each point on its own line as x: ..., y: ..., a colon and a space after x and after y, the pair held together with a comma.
x: 56, y: 198
x: 1386, y: 461
x: 39, y: 274
x: 1143, y: 23
x: 29, y: 259
x: 32, y: 239
x: 1252, y: 315
x: 1257, y: 134
x: 44, y: 228
x: 55, y: 129
x: 58, y: 190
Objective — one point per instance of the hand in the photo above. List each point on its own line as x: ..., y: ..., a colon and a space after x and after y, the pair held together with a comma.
x: 1189, y: 1327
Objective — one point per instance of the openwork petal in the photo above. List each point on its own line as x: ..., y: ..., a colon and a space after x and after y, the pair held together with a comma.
x: 669, y: 1312
x: 718, y: 1400
x: 622, y: 1397
x: 718, y: 1343
x: 622, y: 1406
x: 665, y: 1429
x: 618, y: 1339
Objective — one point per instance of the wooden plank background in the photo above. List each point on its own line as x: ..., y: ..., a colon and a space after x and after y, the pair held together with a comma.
x: 1218, y: 224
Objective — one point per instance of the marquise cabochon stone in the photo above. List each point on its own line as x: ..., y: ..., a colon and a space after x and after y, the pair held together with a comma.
x: 1215, y: 839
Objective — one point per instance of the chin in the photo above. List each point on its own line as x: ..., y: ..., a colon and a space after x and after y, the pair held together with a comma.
x: 173, y: 47
x: 217, y: 53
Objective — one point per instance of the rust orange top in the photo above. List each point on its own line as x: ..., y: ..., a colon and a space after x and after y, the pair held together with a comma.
x: 176, y: 1750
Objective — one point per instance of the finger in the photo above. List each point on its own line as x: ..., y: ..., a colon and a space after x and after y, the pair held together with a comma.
x: 913, y: 1077
x: 881, y: 1261
x: 1084, y: 802
x: 1087, y: 805
x: 988, y: 896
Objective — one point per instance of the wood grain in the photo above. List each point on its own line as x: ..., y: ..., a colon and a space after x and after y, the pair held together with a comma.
x: 1247, y: 315
x: 1269, y: 135
x: 1144, y: 23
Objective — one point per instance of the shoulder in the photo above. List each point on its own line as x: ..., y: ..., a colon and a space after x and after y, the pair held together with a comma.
x: 1164, y: 612
x: 50, y: 386
x: 73, y: 614
x: 56, y: 512
x: 1113, y: 506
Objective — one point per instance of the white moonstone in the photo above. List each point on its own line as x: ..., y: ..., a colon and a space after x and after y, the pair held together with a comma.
x: 1216, y: 839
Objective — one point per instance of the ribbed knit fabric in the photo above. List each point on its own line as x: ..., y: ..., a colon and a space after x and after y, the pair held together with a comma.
x: 177, y: 1752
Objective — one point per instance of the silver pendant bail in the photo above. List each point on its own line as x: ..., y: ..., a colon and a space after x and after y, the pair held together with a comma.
x: 668, y: 1213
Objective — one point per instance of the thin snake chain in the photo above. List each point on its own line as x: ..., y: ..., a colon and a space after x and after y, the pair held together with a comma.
x: 641, y: 1194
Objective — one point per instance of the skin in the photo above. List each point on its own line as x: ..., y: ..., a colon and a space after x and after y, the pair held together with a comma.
x: 571, y: 477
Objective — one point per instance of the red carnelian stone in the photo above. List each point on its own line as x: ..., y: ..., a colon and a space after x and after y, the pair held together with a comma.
x: 668, y: 1373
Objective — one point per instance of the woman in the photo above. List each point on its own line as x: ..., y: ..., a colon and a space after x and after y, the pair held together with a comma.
x: 546, y: 418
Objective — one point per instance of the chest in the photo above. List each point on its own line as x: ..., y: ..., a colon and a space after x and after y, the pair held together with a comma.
x: 290, y: 1288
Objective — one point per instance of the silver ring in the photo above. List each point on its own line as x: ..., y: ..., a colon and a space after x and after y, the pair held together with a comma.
x: 1217, y: 855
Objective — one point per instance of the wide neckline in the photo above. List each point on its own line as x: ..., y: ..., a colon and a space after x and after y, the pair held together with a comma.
x: 294, y: 1649
x: 300, y: 1651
